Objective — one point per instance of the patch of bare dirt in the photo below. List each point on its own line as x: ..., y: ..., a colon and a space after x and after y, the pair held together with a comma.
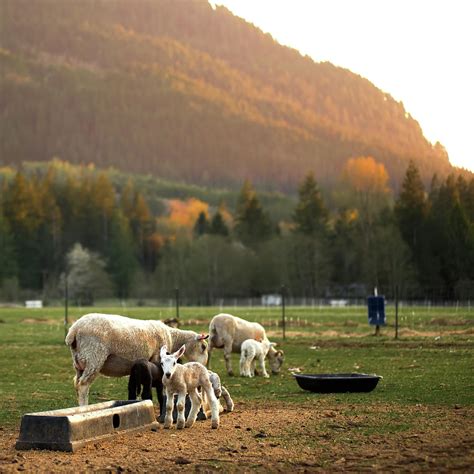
x: 271, y: 437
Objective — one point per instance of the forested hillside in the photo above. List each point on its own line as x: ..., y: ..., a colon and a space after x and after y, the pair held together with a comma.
x: 191, y: 93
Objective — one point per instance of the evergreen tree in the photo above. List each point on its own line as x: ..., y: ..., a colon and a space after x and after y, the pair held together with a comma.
x: 218, y: 226
x: 122, y: 263
x: 310, y: 215
x: 411, y: 207
x: 253, y: 225
x: 201, y: 226
x: 8, y: 265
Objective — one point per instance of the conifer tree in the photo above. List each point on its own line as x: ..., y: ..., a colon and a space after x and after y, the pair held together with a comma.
x: 411, y: 207
x: 201, y: 226
x: 253, y: 225
x: 310, y: 215
x: 218, y: 226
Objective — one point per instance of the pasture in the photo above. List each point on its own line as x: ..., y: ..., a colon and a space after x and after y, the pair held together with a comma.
x: 416, y: 419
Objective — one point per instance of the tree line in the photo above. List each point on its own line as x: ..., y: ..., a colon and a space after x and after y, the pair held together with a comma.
x: 107, y: 240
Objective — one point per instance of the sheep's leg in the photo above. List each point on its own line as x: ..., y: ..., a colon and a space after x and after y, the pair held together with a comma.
x: 169, y: 408
x: 92, y: 364
x: 195, y: 405
x: 227, y: 354
x: 243, y: 360
x: 228, y: 400
x: 252, y: 368
x: 207, y: 388
x: 180, y: 405
x: 261, y: 361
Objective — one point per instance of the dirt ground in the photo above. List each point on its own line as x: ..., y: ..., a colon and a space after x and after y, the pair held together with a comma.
x: 319, y: 436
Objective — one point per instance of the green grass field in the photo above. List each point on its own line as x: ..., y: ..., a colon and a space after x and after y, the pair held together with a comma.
x: 430, y: 363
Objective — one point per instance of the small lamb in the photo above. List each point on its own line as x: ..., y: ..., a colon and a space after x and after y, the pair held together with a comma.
x: 185, y: 379
x: 219, y: 390
x: 145, y: 375
x: 251, y: 351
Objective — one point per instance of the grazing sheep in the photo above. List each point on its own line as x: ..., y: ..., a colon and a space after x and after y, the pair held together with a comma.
x: 185, y: 379
x: 252, y: 351
x: 110, y: 344
x: 228, y: 332
x: 145, y: 375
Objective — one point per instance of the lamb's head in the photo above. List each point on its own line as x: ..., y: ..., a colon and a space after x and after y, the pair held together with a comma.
x: 169, y: 361
x: 275, y: 359
x: 197, y: 349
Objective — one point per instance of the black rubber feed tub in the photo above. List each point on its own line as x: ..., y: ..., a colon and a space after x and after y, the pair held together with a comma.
x: 337, y: 383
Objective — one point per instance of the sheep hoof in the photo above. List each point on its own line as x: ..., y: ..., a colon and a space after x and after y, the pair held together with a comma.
x: 189, y: 424
x: 180, y: 425
x: 215, y: 424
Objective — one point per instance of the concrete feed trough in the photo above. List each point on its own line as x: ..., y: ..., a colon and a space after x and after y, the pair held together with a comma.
x: 71, y: 428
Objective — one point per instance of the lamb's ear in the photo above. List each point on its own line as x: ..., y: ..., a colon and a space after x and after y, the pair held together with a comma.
x: 163, y: 351
x: 273, y: 344
x: 201, y: 337
x: 179, y: 353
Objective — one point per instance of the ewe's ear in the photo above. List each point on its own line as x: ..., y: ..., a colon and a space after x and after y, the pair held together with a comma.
x: 201, y: 337
x: 180, y: 351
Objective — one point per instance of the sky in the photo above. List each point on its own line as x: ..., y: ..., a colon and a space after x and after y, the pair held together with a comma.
x: 419, y: 51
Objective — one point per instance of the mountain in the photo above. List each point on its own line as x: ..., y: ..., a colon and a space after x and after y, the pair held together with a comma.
x: 187, y: 92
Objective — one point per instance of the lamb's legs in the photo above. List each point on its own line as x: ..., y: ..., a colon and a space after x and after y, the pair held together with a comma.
x: 196, y: 402
x: 207, y: 388
x: 180, y: 405
x: 261, y: 361
x: 169, y: 409
x: 228, y: 400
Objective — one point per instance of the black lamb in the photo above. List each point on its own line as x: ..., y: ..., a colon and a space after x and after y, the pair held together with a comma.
x: 145, y: 375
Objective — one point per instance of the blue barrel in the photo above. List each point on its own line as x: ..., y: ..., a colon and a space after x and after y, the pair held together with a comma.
x: 376, y: 309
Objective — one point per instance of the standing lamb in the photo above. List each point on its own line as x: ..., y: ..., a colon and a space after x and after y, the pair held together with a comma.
x: 185, y: 379
x: 110, y: 344
x: 145, y: 375
x: 252, y: 351
x: 229, y: 332
x: 219, y: 390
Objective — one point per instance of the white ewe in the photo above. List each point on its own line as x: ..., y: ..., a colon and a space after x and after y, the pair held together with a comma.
x: 110, y: 344
x: 228, y: 332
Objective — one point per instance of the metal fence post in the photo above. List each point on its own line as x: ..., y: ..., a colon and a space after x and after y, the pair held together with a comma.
x: 66, y: 306
x: 396, y: 312
x: 283, y: 321
x: 176, y: 291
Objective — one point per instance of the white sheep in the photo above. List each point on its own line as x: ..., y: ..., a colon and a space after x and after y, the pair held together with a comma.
x: 252, y: 351
x: 182, y: 379
x: 110, y: 344
x: 228, y: 332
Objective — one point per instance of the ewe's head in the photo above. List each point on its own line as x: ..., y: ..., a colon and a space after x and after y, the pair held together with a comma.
x: 275, y: 359
x: 169, y: 361
x: 197, y: 349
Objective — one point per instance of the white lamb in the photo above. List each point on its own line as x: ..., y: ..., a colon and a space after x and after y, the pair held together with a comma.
x: 182, y: 379
x: 252, y: 351
x: 110, y: 344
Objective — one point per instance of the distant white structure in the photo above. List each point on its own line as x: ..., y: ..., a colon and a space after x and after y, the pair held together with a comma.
x: 338, y: 303
x: 271, y: 300
x: 34, y: 304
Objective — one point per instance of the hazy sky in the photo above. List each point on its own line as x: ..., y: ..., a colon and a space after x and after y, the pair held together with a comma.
x: 419, y: 51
